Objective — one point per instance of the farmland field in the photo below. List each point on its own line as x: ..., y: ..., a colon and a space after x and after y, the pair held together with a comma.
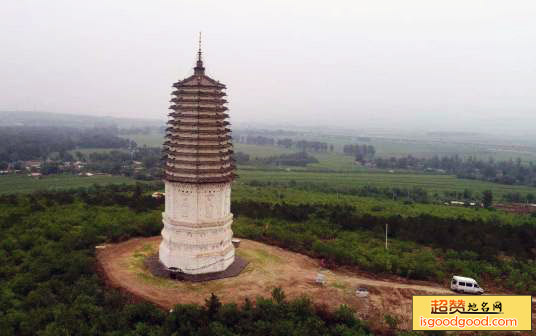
x: 385, y: 147
x: 25, y: 184
x: 431, y: 183
x: 423, y: 148
x: 257, y: 151
x: 341, y: 171
x: 153, y: 139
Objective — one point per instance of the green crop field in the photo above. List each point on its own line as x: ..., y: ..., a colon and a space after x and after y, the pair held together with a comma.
x: 328, y: 160
x: 390, y: 148
x: 336, y: 161
x: 257, y: 151
x: 384, y: 147
x: 343, y: 172
x: 25, y: 184
x: 422, y: 147
x: 431, y: 183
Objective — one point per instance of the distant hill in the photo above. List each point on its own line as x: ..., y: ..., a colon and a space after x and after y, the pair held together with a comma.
x: 28, y: 118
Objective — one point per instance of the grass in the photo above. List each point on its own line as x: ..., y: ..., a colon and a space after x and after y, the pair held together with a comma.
x: 338, y: 284
x: 136, y: 264
x: 24, y: 184
x: 259, y: 256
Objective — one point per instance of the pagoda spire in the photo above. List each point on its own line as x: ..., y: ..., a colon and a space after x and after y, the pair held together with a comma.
x: 199, y: 69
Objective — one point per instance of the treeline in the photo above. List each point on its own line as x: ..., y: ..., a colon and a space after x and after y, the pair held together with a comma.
x: 113, y: 162
x: 412, y: 194
x: 32, y: 143
x: 141, y: 130
x: 241, y: 135
x: 136, y: 197
x: 143, y: 163
x: 241, y: 157
x: 300, y: 159
x: 50, y: 286
x: 273, y: 316
x: 127, y: 163
x: 302, y: 145
x: 517, y: 197
x: 504, y: 172
x: 255, y: 140
x: 361, y: 152
x: 488, y: 238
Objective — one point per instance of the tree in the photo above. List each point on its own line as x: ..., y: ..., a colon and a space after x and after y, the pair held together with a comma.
x: 467, y: 194
x: 278, y: 295
x: 487, y: 198
x: 212, y: 305
x: 391, y: 321
x: 49, y: 168
x: 80, y: 156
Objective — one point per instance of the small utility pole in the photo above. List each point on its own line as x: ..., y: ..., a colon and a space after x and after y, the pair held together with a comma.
x: 386, y: 228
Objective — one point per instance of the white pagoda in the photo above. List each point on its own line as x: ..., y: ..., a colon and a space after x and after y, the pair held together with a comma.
x: 199, y: 169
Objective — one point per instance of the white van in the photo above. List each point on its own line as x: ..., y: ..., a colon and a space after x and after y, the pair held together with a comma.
x: 465, y: 285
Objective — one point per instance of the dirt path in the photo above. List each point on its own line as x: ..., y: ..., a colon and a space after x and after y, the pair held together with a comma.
x: 269, y: 267
x: 430, y: 289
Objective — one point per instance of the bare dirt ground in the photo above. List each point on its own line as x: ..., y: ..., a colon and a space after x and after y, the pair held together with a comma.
x: 122, y: 267
x: 270, y: 267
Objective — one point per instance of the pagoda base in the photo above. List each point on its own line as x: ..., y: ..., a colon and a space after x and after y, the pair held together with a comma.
x: 158, y: 269
x: 197, y: 235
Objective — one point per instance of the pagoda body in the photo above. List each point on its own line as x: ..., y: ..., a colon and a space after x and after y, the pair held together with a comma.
x: 196, y: 238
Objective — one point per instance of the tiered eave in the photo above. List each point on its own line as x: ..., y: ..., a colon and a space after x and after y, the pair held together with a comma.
x: 198, y: 147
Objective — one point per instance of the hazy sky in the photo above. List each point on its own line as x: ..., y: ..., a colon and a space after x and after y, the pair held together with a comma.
x: 383, y: 63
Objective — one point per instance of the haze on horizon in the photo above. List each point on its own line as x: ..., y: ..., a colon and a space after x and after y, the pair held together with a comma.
x: 414, y: 64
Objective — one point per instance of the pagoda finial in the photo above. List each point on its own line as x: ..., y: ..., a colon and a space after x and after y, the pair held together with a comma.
x: 199, y: 68
x: 199, y: 50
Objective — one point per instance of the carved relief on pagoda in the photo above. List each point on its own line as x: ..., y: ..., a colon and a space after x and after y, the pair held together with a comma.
x: 227, y: 202
x: 196, y: 236
x: 193, y: 203
x: 209, y: 206
x: 185, y: 206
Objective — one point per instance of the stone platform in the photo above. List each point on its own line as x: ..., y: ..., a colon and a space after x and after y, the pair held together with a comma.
x: 158, y: 269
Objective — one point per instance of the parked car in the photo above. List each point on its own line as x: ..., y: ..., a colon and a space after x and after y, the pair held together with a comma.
x: 465, y: 285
